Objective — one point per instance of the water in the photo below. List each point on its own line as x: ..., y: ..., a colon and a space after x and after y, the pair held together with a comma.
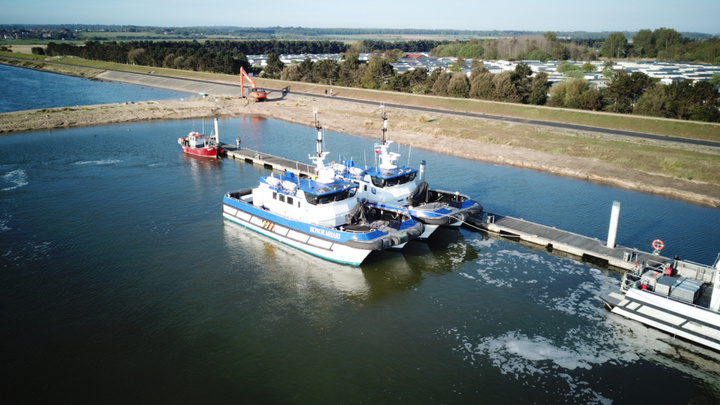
x: 26, y: 89
x: 120, y: 281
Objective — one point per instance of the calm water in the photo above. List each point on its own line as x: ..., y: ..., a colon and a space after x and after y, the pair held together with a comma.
x: 26, y: 89
x: 120, y: 282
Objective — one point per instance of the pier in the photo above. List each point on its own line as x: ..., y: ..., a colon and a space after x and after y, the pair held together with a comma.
x: 268, y: 161
x: 587, y: 249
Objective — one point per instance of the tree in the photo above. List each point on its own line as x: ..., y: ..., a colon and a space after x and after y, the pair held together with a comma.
x: 377, y: 74
x: 274, y: 66
x: 326, y: 71
x: 306, y: 69
x: 625, y: 89
x: 589, y: 67
x: 441, y: 85
x: 664, y: 38
x: 643, y: 44
x: 459, y: 85
x: 539, y: 86
x: 523, y: 69
x: 614, y: 46
x: 350, y: 72
x: 482, y: 85
x: 507, y: 87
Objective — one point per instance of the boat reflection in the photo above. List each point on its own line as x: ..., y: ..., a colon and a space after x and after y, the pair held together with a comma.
x: 382, y: 273
x: 659, y: 347
x: 288, y: 266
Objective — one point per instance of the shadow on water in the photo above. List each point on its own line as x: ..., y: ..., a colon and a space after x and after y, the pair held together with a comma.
x: 382, y: 273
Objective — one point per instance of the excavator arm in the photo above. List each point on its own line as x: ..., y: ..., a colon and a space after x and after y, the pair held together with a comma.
x: 255, y: 93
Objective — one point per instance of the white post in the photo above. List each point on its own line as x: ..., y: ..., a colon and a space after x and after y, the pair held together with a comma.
x: 614, y: 217
x: 217, y: 135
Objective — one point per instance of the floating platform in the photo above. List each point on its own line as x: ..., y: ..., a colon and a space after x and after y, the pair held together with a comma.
x: 268, y: 161
x: 588, y: 249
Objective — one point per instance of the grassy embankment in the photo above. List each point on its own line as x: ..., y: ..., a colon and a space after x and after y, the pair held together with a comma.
x: 673, y: 160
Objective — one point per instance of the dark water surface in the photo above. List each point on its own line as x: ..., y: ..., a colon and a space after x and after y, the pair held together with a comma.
x: 120, y: 282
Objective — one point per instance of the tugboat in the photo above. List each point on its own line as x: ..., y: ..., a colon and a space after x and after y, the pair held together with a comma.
x: 195, y: 144
x: 320, y: 216
x: 393, y: 188
x: 676, y: 296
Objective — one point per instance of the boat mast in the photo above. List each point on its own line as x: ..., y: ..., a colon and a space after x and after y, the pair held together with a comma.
x: 386, y: 158
x: 319, y: 158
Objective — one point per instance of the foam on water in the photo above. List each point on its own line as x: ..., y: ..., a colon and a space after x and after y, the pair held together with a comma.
x: 98, y: 162
x: 17, y: 178
x: 4, y: 222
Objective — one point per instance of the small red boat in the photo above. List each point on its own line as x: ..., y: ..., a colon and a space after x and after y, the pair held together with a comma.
x: 197, y: 144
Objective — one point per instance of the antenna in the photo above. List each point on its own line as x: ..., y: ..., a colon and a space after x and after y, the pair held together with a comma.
x: 319, y: 154
x: 385, y: 122
x: 319, y: 132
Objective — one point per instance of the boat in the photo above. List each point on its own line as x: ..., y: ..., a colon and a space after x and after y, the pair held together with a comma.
x: 403, y: 190
x: 320, y: 216
x: 199, y: 145
x: 676, y: 296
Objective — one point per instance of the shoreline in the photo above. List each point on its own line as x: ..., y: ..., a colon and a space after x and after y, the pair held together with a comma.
x: 363, y: 120
x: 356, y: 120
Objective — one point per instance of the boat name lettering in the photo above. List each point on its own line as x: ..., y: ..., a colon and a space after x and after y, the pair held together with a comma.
x: 325, y: 232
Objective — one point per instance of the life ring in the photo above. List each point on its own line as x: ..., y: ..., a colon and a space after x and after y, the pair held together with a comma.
x: 658, y: 244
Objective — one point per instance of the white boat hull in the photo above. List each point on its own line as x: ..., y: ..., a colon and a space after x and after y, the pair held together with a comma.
x: 330, y: 251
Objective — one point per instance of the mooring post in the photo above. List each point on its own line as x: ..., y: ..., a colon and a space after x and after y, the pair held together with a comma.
x: 614, y: 217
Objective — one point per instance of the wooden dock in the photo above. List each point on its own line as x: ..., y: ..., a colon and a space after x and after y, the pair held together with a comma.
x: 268, y: 161
x: 588, y: 249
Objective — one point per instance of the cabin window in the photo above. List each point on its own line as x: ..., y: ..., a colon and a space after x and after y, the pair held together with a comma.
x: 332, y: 197
x: 290, y: 200
x: 282, y: 198
x: 394, y: 181
x: 274, y: 195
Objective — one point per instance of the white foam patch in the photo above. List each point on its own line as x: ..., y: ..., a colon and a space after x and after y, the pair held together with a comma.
x: 537, y: 358
x: 17, y: 178
x: 98, y: 162
x: 4, y: 222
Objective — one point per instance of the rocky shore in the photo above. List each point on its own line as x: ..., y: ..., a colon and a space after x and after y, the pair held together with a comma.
x: 363, y: 120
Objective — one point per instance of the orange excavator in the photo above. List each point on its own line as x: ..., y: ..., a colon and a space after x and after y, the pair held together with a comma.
x: 255, y: 93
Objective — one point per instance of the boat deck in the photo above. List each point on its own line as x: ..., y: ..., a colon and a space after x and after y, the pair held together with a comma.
x: 588, y: 249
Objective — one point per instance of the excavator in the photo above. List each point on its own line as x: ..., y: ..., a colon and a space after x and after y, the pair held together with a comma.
x: 255, y: 93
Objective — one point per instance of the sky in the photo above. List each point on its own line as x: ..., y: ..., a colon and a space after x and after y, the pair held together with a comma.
x: 522, y: 15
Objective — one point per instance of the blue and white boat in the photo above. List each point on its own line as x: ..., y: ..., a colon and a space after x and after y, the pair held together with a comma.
x: 320, y: 216
x: 395, y: 188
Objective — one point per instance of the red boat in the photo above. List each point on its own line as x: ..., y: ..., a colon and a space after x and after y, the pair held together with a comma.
x: 196, y: 143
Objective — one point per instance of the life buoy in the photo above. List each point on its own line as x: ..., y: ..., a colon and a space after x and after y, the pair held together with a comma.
x: 658, y: 244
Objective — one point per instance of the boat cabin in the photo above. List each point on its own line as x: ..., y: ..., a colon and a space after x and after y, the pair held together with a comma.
x: 196, y: 140
x: 318, y: 202
x: 382, y: 185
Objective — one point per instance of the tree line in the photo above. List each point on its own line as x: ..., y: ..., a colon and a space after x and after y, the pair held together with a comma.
x: 635, y: 93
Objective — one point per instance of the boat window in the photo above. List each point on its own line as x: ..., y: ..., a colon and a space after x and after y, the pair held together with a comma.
x: 289, y: 200
x: 282, y: 198
x: 333, y: 197
x: 394, y: 181
x: 377, y: 181
x: 274, y: 195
